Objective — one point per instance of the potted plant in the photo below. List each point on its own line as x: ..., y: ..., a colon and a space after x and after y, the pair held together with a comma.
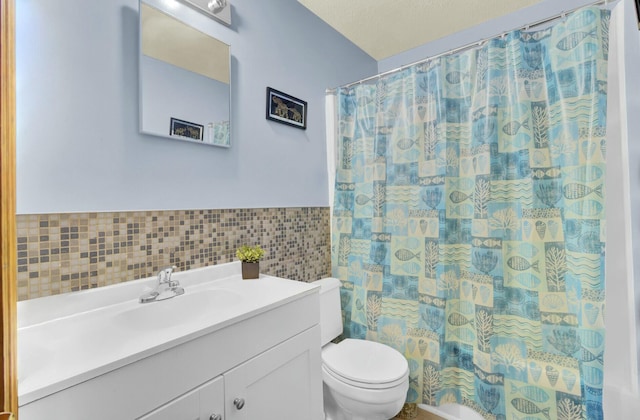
x: 250, y: 257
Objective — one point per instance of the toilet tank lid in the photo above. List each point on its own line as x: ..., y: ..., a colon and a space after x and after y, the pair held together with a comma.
x: 327, y: 283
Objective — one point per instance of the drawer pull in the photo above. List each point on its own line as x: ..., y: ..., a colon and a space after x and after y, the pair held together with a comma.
x: 239, y: 403
x: 216, y: 417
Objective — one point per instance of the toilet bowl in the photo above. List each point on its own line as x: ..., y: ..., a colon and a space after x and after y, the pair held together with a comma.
x: 361, y: 379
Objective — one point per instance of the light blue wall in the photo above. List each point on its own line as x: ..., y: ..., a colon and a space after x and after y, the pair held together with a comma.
x: 632, y: 64
x: 78, y: 146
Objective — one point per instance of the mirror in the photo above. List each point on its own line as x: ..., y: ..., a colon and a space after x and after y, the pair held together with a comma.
x: 184, y: 81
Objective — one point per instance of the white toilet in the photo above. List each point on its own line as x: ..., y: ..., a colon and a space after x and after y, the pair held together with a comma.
x: 363, y: 380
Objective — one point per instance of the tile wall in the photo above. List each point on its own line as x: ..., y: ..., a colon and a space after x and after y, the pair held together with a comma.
x: 59, y: 253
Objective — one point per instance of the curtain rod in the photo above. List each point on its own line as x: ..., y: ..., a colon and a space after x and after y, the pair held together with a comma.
x: 476, y: 43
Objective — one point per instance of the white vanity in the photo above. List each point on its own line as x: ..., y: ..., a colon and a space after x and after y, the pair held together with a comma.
x: 226, y: 349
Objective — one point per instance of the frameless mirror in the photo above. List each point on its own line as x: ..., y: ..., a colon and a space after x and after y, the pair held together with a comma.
x: 184, y: 81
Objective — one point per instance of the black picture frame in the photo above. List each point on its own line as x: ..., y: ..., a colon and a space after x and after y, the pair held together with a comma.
x: 186, y: 130
x: 286, y: 109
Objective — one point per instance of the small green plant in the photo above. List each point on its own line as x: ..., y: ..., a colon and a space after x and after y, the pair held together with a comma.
x: 250, y: 254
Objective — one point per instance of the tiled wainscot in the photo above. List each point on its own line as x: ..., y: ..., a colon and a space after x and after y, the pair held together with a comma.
x: 60, y: 253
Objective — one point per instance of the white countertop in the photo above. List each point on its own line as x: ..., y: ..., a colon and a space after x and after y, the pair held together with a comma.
x: 66, y: 339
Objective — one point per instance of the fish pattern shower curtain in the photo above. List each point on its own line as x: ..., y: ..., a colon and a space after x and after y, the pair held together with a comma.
x: 468, y: 223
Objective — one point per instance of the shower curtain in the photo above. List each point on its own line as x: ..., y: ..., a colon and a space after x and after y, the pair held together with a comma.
x: 468, y: 220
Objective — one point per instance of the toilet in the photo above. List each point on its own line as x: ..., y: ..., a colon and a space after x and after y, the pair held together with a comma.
x: 361, y: 379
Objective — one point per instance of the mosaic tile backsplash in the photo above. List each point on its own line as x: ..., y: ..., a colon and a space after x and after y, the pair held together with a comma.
x: 59, y: 253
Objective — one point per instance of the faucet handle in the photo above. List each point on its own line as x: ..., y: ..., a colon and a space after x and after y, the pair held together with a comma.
x: 164, y: 275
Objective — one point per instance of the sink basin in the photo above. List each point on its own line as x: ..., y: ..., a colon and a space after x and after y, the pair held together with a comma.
x: 178, y: 310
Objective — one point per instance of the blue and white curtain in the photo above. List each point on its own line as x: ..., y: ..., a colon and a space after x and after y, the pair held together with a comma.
x: 468, y: 221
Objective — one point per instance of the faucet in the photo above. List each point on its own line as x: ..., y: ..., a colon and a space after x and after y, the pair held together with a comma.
x: 165, y: 289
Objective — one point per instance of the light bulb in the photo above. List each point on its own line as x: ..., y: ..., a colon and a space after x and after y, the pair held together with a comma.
x: 217, y: 5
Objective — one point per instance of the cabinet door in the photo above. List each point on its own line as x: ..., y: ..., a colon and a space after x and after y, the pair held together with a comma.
x: 203, y: 403
x: 211, y: 398
x: 284, y: 382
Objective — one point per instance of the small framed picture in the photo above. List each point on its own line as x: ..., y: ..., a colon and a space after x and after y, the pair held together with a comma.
x: 286, y: 109
x: 186, y: 129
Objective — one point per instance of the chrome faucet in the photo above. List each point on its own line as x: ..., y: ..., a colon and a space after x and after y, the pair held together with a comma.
x: 165, y: 289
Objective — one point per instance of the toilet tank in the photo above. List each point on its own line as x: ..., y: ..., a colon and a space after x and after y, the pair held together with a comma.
x: 330, y: 312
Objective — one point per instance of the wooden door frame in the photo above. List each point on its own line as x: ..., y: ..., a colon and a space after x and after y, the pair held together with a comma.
x: 8, y: 283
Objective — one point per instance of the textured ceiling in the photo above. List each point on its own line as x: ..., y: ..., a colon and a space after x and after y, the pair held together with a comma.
x: 383, y: 28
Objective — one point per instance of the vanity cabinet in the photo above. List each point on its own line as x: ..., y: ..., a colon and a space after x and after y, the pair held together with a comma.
x: 268, y: 358
x: 277, y: 384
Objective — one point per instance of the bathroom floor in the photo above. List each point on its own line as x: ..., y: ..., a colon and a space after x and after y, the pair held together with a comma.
x: 423, y: 415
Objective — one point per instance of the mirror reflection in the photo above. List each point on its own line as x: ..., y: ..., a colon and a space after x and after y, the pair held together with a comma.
x: 184, y: 81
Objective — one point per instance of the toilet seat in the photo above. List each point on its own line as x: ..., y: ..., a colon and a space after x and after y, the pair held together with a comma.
x: 362, y: 385
x: 365, y: 364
